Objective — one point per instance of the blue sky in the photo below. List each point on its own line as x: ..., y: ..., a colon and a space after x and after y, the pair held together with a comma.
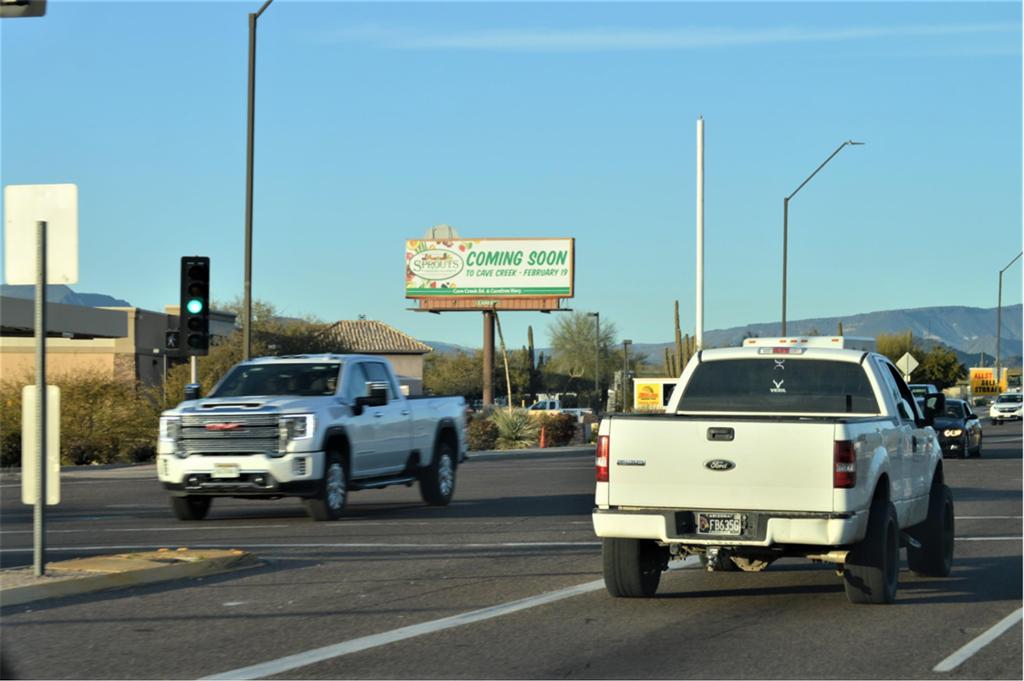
x: 375, y: 121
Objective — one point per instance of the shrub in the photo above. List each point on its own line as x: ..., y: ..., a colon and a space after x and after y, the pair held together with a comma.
x: 516, y: 429
x: 102, y: 420
x: 559, y: 429
x: 481, y: 433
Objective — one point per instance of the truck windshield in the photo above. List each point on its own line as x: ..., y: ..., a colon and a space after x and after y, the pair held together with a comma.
x: 286, y: 378
x: 779, y: 386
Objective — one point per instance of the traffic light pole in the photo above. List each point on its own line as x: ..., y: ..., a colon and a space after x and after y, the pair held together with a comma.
x: 194, y: 361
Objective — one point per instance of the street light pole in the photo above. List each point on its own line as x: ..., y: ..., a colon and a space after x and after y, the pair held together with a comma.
x: 625, y: 371
x: 999, y: 317
x: 597, y: 360
x: 247, y: 288
x: 785, y: 225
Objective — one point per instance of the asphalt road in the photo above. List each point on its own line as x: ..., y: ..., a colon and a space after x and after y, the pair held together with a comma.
x: 504, y: 583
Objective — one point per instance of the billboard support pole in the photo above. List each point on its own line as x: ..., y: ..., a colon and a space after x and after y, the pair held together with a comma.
x: 488, y: 357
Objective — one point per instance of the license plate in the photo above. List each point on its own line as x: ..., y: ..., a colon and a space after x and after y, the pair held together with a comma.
x: 720, y: 523
x: 225, y: 470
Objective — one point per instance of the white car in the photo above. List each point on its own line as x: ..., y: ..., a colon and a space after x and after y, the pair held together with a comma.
x: 1007, y: 407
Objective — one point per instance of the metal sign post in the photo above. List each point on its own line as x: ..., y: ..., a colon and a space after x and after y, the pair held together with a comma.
x: 39, y: 515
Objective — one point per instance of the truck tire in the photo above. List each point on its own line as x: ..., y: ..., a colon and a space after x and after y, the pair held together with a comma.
x: 871, y: 572
x: 329, y: 502
x: 437, y: 483
x: 190, y: 507
x: 935, y: 534
x: 633, y: 567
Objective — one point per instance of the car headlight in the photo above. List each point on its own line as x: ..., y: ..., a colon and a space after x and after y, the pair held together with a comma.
x: 170, y: 428
x: 298, y: 427
x: 953, y: 432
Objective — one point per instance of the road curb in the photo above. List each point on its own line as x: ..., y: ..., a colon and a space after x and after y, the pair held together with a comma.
x: 100, y: 573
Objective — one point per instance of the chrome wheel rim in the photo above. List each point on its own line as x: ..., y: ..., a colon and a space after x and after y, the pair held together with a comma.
x: 445, y: 474
x: 335, y: 486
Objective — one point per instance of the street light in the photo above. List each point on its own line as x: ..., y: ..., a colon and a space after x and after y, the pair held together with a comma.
x: 999, y: 316
x: 247, y: 288
x: 597, y: 359
x: 625, y: 370
x: 785, y: 225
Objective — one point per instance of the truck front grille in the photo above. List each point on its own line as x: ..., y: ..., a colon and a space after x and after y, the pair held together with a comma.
x: 229, y: 434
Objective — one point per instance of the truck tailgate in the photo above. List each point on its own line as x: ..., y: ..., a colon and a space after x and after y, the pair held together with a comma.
x: 776, y: 465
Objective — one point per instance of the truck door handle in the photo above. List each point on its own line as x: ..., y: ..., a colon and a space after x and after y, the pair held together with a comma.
x: 721, y: 434
x: 405, y: 412
x: 378, y: 414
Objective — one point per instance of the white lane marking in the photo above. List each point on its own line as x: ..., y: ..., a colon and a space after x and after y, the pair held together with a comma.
x: 962, y: 655
x: 502, y: 545
x: 232, y: 604
x: 290, y: 662
x: 151, y: 529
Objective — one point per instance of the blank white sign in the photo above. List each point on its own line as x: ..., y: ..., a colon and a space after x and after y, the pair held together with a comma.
x: 24, y: 206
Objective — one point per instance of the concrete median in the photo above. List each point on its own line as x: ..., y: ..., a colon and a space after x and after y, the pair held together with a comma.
x: 100, y: 573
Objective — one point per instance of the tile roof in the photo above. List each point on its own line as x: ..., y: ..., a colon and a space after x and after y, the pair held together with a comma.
x: 373, y: 337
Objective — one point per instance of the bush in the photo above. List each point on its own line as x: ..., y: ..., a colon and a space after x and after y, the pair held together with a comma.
x: 516, y: 429
x: 559, y: 429
x: 481, y: 433
x: 102, y: 420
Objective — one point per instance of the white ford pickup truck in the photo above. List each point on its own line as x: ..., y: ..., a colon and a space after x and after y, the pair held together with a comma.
x: 805, y: 447
x: 309, y: 426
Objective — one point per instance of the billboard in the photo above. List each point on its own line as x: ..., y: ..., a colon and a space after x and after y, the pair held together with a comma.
x: 983, y: 381
x: 489, y: 268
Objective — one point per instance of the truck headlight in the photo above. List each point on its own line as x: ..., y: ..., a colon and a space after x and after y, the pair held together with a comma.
x: 297, y: 427
x: 953, y: 432
x: 170, y: 428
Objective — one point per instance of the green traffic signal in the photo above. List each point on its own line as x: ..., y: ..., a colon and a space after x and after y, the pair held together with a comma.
x: 194, y: 306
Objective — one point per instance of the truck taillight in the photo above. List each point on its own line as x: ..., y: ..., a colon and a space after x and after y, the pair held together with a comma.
x: 603, y: 448
x: 844, y: 456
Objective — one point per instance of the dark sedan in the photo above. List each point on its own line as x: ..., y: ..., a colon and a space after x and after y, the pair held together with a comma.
x: 959, y: 430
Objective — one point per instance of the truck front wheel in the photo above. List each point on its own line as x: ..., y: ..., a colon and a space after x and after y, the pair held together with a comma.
x: 191, y: 507
x: 329, y: 503
x: 633, y: 567
x: 871, y: 573
x: 935, y: 556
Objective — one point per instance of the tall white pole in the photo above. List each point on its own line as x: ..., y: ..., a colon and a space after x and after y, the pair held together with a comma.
x: 700, y: 233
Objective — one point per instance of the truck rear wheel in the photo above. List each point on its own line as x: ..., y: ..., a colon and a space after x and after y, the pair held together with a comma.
x: 437, y: 483
x: 935, y: 534
x: 871, y: 573
x: 633, y: 567
x: 191, y: 507
x: 329, y: 503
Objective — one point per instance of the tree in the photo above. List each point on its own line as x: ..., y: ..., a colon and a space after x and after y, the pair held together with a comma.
x: 460, y: 373
x: 941, y: 367
x: 574, y: 347
x: 895, y: 345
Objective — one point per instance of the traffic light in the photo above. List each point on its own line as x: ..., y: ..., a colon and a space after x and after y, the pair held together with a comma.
x: 194, y: 315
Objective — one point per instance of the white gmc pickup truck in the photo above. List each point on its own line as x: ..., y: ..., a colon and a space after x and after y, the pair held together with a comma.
x: 308, y: 426
x: 806, y: 447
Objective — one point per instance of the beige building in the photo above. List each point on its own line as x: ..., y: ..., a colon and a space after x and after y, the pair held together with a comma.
x: 367, y: 336
x: 123, y: 342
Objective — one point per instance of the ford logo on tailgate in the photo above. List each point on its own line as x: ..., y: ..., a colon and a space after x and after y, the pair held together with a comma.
x: 719, y: 465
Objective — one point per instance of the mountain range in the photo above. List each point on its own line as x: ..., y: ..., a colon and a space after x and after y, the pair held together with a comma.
x: 970, y: 331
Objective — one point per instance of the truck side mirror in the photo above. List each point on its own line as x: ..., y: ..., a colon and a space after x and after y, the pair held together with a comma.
x: 378, y: 397
x: 934, y: 403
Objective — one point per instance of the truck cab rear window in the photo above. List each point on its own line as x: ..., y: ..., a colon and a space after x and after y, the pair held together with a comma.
x: 773, y: 385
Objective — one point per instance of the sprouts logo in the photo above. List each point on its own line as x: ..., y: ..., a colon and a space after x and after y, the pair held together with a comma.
x: 436, y: 265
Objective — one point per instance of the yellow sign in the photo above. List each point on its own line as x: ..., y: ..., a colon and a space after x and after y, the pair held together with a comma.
x: 648, y: 395
x: 983, y: 381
